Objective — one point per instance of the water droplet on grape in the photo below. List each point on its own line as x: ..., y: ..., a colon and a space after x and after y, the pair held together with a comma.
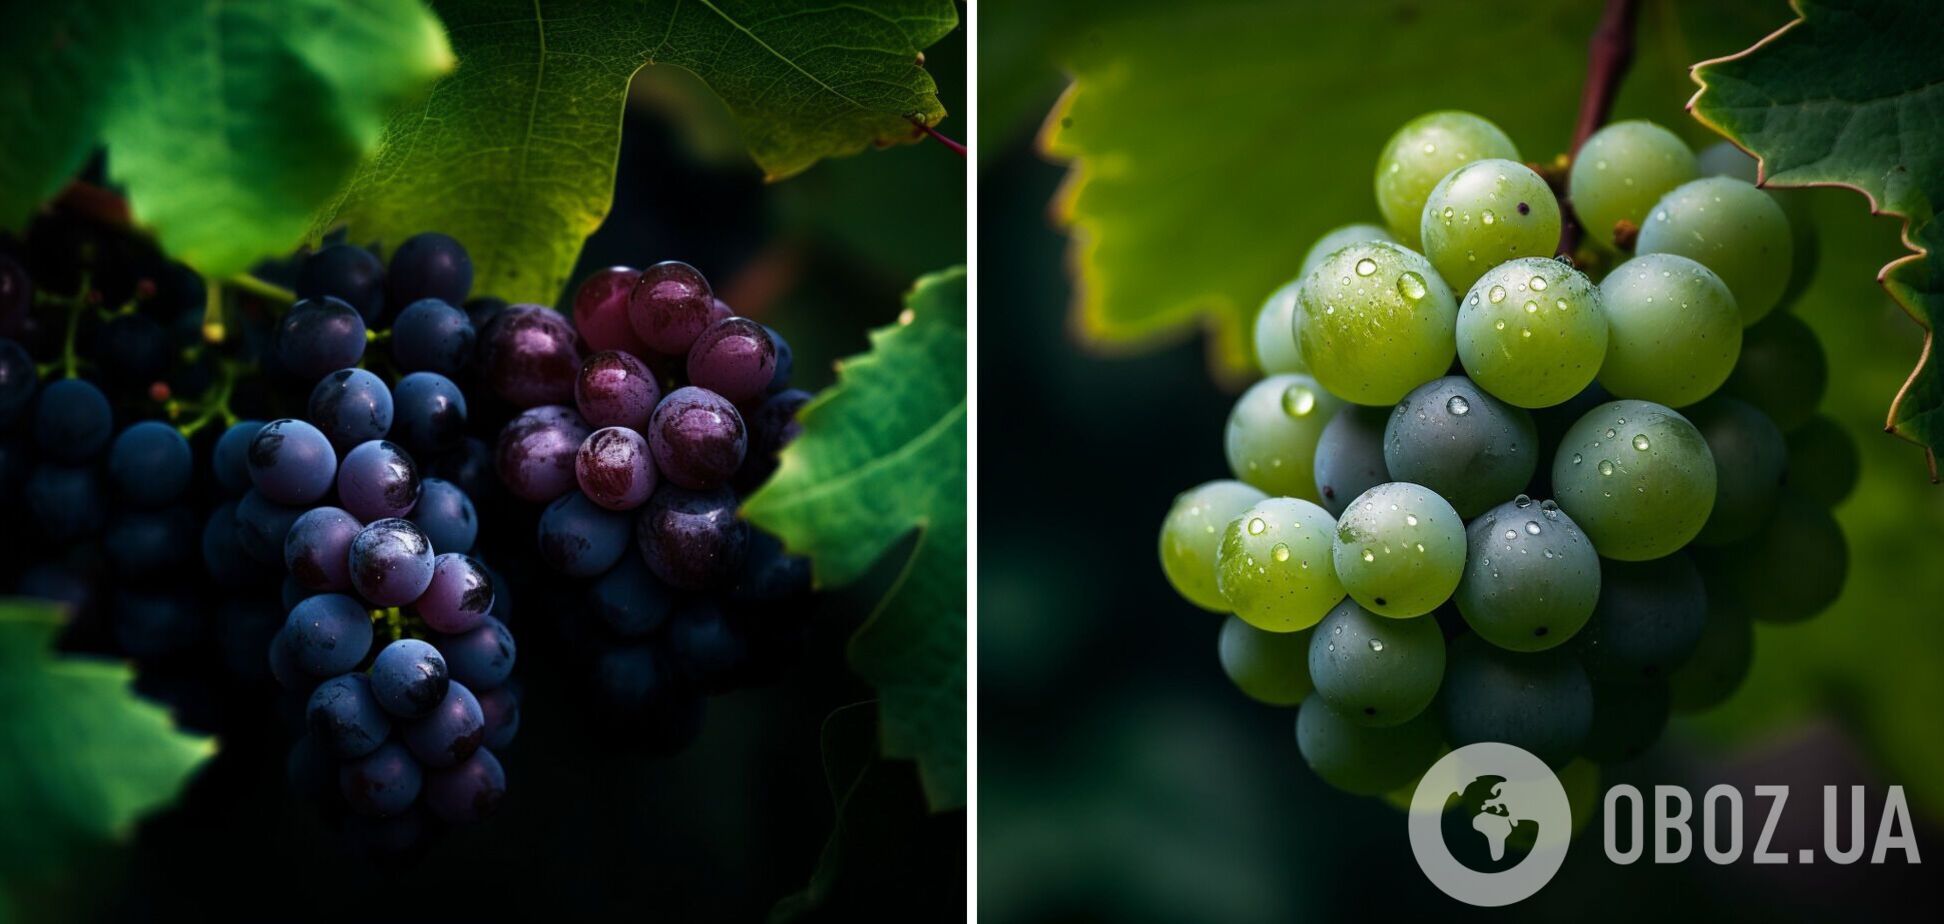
x: 1577, y: 459
x: 1640, y: 442
x: 1368, y: 557
x: 1511, y: 534
x: 1532, y: 527
x: 1538, y: 283
x: 1411, y: 285
x: 1376, y: 645
x: 1256, y: 526
x: 1298, y: 400
x: 1611, y: 433
x: 1366, y: 266
x: 1606, y: 467
x: 1497, y: 294
x: 1487, y: 217
x: 1499, y: 326
x: 1410, y: 519
x: 1280, y: 552
x: 1532, y: 307
x: 1522, y: 501
x: 1458, y: 406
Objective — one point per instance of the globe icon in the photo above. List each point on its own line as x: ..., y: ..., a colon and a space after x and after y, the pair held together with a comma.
x: 1485, y: 828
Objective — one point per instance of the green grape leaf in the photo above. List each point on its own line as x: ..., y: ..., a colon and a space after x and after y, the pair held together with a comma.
x: 1852, y: 94
x: 883, y: 455
x: 81, y: 757
x: 1194, y: 191
x: 229, y: 123
x: 514, y: 153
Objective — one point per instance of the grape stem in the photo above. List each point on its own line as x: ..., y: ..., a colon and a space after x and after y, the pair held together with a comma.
x: 1609, y: 54
x: 214, y: 404
x: 269, y: 291
x: 940, y: 137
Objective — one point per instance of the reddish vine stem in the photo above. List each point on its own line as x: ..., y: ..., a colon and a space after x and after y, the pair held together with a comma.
x: 940, y: 138
x: 1608, y: 55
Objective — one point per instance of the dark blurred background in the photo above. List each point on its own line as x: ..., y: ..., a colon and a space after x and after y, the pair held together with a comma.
x: 1123, y: 778
x: 597, y: 823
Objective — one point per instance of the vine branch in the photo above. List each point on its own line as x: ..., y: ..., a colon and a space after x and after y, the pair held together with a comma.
x: 1609, y: 54
x: 940, y: 137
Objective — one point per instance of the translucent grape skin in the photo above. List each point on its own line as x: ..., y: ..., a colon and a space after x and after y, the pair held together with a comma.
x: 351, y: 406
x: 150, y: 464
x: 692, y: 540
x: 291, y: 463
x: 1637, y: 477
x: 697, y: 438
x: 1423, y: 152
x: 1621, y: 171
x: 1350, y: 455
x: 1272, y: 431
x: 536, y: 452
x: 344, y: 717
x: 432, y: 336
x: 530, y: 356
x: 1361, y: 759
x: 1375, y: 321
x: 1539, y: 701
x: 579, y: 538
x: 1719, y: 663
x: 1751, y: 458
x: 1531, y: 578
x: 1533, y: 332
x: 391, y: 562
x: 1648, y: 621
x: 318, y: 547
x: 1469, y: 447
x: 616, y: 390
x: 459, y: 597
x: 429, y: 265
x: 429, y: 414
x: 328, y: 634
x: 601, y: 310
x: 1823, y: 462
x: 1724, y: 159
x: 614, y: 469
x: 1270, y: 667
x: 1276, y: 348
x: 1485, y: 213
x: 316, y: 337
x: 378, y: 480
x: 1782, y: 371
x: 1732, y: 228
x: 1191, y: 537
x: 1274, y: 566
x: 347, y: 272
x: 1374, y: 670
x: 671, y: 305
x: 446, y: 516
x: 1674, y: 330
x: 1789, y: 570
x: 734, y: 358
x: 409, y: 677
x: 1628, y: 718
x: 1399, y: 550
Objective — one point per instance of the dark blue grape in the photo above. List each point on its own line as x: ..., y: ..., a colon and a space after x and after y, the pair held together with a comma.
x: 614, y: 470
x: 616, y: 389
x: 378, y: 480
x: 1452, y: 437
x: 231, y: 457
x: 630, y: 600
x: 537, y: 450
x: 697, y: 437
x: 432, y: 336
x: 1539, y: 701
x: 291, y: 462
x: 351, y: 406
x: 351, y: 274
x: 328, y: 634
x: 391, y: 562
x: 151, y: 625
x: 18, y: 379
x: 706, y: 647
x: 670, y: 306
x: 133, y: 350
x: 451, y: 732
x: 530, y: 356
x: 1649, y: 618
x: 772, y: 426
x: 150, y: 463
x: 317, y: 550
x: 482, y: 658
x: 692, y: 539
x: 481, y: 311
x: 501, y: 709
x: 409, y: 678
x: 316, y: 337
x: 142, y: 545
x: 634, y: 678
x: 734, y: 358
x: 429, y: 265
x: 468, y: 793
x: 459, y: 597
x: 785, y: 361
x: 223, y: 556
x: 430, y: 414
x: 469, y: 467
x: 769, y: 575
x: 261, y: 527
x: 445, y: 514
x: 1350, y: 456
x: 67, y: 502
x: 382, y: 783
x: 283, y: 663
x: 244, y: 627
x: 579, y: 538
x: 502, y: 595
x: 72, y: 422
x: 344, y: 717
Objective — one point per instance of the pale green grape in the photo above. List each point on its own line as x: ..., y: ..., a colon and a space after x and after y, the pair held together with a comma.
x: 1791, y: 569
x: 1732, y: 228
x: 1400, y: 549
x: 1724, y: 159
x: 1340, y: 237
x: 1376, y: 321
x: 1276, y: 349
x: 1531, y: 577
x: 1720, y: 660
x: 1750, y: 458
x: 1271, y: 667
x: 1533, y: 332
x: 1484, y: 214
x: 1823, y: 463
x: 1782, y: 370
x: 1272, y: 433
x: 1274, y: 567
x: 1674, y: 330
x: 1192, y: 535
x: 1637, y: 478
x: 1376, y: 671
x: 1361, y: 759
x: 1621, y: 171
x: 1421, y: 153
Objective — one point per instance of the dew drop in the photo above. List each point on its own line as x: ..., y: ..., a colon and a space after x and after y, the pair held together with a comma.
x: 1532, y: 527
x: 1538, y: 283
x: 1532, y: 307
x: 1511, y: 534
x: 1497, y: 294
x: 1577, y: 458
x: 1411, y: 285
x: 1640, y: 441
x: 1499, y: 326
x: 1522, y: 501
x: 1606, y: 467
x: 1280, y: 552
x: 1376, y: 645
x: 1410, y: 519
x: 1368, y: 557
x: 1487, y: 217
x: 1458, y: 406
x: 1366, y: 266
x: 1610, y: 434
x: 1560, y: 304
x: 1298, y: 400
x: 1256, y: 526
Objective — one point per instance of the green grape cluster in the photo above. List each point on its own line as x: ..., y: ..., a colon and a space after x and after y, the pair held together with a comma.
x: 1546, y: 511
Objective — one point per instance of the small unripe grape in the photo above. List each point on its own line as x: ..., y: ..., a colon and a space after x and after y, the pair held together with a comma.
x: 1422, y: 153
x: 1375, y: 321
x: 1471, y: 448
x: 1350, y: 455
x: 1637, y: 477
x: 1782, y: 371
x: 1340, y: 237
x: 1750, y: 459
x: 1274, y: 566
x: 1361, y: 759
x: 1271, y: 667
x: 1621, y: 171
x: 1533, y: 332
x: 1376, y: 671
x: 1531, y: 578
x: 1674, y: 331
x: 1276, y: 347
x: 1484, y: 214
x: 1732, y: 228
x: 1400, y: 550
x: 1192, y: 534
x: 1272, y: 433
